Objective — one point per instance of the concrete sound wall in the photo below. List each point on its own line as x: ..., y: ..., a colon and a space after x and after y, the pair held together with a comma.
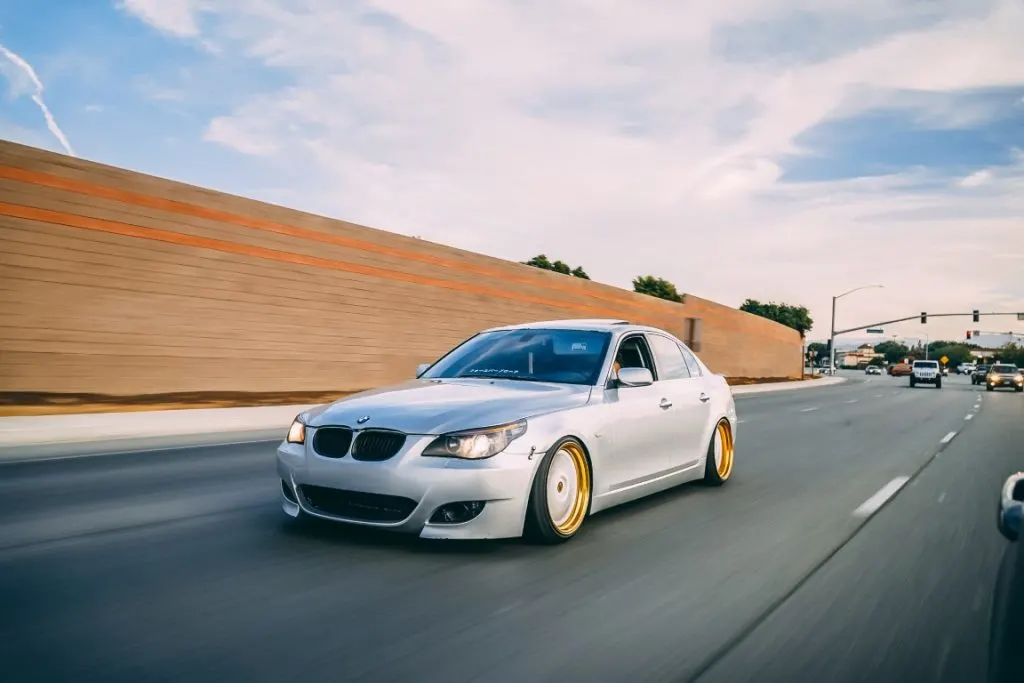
x: 117, y: 283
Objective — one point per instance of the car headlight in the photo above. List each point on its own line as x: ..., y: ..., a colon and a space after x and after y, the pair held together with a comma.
x: 297, y: 432
x: 476, y: 444
x: 1019, y: 379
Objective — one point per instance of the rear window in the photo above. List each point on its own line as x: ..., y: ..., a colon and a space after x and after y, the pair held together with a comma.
x: 926, y: 363
x: 1004, y: 369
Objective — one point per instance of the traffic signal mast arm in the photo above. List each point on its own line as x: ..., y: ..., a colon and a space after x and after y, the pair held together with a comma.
x: 914, y: 317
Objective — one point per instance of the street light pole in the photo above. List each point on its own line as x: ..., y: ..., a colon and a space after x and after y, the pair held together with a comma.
x: 832, y: 339
x: 832, y: 333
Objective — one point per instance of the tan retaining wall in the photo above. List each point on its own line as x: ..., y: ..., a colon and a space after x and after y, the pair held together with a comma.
x: 113, y: 282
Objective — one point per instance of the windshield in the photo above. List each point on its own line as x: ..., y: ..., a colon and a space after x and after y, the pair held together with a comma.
x: 563, y: 356
x: 1004, y: 369
x: 926, y: 364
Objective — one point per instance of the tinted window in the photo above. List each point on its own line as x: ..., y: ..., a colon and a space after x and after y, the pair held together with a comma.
x: 563, y: 356
x: 926, y: 364
x: 671, y: 364
x: 633, y: 353
x: 691, y: 362
x: 1004, y: 369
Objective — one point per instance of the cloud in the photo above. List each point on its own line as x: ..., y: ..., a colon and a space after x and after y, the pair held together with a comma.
x: 650, y: 137
x: 36, y: 88
x: 174, y: 17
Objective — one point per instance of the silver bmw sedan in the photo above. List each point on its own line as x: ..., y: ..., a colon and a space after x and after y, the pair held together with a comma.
x: 524, y: 430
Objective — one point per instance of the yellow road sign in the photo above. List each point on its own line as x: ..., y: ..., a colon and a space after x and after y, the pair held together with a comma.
x: 944, y: 360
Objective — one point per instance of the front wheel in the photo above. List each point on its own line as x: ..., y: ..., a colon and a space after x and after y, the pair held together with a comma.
x: 912, y: 383
x: 721, y: 452
x: 938, y: 384
x: 989, y: 387
x: 561, y: 494
x: 1018, y: 389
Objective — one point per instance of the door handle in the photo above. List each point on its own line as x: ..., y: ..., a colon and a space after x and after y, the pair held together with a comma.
x: 665, y: 403
x: 704, y: 398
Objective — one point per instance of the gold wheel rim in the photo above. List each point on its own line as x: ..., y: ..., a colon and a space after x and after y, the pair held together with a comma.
x: 723, y: 450
x: 568, y: 487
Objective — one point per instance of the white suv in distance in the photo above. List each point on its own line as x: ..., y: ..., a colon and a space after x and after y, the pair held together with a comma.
x: 926, y: 372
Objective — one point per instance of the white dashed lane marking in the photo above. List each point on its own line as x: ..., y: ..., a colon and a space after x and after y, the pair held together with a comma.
x: 871, y: 505
x: 948, y: 437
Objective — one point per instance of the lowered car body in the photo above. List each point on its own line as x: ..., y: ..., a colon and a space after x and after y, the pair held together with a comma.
x: 519, y: 430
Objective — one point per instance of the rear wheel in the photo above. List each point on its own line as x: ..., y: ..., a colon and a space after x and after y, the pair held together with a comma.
x: 721, y: 452
x: 561, y: 494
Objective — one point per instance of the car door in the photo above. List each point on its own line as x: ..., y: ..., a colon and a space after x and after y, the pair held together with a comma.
x: 690, y: 411
x: 637, y: 422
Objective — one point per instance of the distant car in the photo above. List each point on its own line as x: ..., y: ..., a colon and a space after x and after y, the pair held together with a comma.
x: 873, y: 370
x: 900, y: 369
x: 520, y: 430
x: 1004, y: 376
x: 978, y: 376
x: 926, y: 372
x: 1006, y: 625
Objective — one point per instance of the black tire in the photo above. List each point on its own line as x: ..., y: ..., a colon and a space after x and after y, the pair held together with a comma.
x: 539, y: 527
x: 714, y: 474
x: 989, y: 387
x: 912, y: 383
x: 1018, y: 389
x: 938, y: 384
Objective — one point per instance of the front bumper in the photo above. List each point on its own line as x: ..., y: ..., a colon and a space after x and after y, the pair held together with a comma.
x: 403, y: 493
x: 926, y: 379
x: 1007, y: 382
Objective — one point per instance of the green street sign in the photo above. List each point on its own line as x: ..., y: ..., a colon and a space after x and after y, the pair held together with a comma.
x: 874, y: 330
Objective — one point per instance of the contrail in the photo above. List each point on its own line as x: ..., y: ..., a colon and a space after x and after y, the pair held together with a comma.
x: 37, y: 97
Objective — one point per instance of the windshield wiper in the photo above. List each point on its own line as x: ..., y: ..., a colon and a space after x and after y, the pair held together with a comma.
x: 518, y: 378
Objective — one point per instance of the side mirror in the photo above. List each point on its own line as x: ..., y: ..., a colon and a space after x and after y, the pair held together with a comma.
x: 421, y: 368
x: 1011, y: 507
x: 635, y: 377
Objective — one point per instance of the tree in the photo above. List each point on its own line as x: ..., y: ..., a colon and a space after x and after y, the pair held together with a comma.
x: 893, y: 351
x: 1012, y: 353
x: 797, y: 317
x: 541, y: 261
x: 956, y: 352
x: 657, y: 287
x: 817, y: 350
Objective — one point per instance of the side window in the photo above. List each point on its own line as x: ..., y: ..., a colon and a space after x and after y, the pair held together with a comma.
x: 671, y: 364
x: 691, y: 362
x: 633, y: 353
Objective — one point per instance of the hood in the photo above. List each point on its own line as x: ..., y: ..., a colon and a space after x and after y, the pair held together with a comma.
x: 439, y: 406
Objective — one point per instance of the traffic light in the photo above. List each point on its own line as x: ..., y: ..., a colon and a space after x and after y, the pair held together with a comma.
x: 977, y: 316
x: 924, y: 317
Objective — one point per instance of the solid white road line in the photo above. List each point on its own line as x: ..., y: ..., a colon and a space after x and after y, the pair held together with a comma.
x: 869, y: 506
x: 948, y: 437
x: 807, y: 410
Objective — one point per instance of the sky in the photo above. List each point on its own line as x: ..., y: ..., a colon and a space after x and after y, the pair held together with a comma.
x: 781, y: 150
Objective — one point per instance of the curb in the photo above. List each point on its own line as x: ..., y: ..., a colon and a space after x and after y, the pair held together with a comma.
x: 795, y: 385
x: 42, y: 437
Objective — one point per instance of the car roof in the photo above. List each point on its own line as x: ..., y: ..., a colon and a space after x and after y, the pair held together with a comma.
x: 593, y: 324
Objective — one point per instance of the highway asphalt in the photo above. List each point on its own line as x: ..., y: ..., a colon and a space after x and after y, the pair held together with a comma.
x: 178, y: 565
